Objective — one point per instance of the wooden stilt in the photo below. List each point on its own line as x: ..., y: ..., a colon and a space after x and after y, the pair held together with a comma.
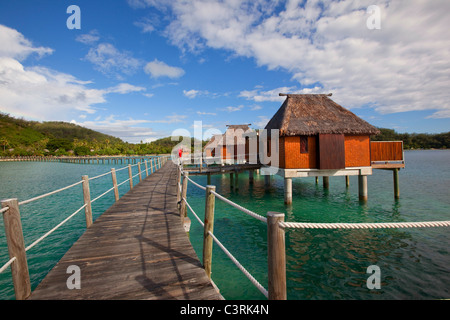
x: 326, y: 182
x: 396, y: 183
x: 288, y: 191
x: 267, y: 180
x: 362, y: 183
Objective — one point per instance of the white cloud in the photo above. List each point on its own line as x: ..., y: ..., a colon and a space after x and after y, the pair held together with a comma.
x: 191, y: 94
x: 88, y: 38
x: 233, y: 109
x: 124, y: 88
x: 206, y: 113
x: 174, y: 118
x: 127, y: 130
x: 41, y: 93
x: 402, y: 67
x: 15, y: 45
x: 112, y: 62
x: 159, y: 69
x: 148, y: 24
x: 262, y: 122
x: 258, y: 95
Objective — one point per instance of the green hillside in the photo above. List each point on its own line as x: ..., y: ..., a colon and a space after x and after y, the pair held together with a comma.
x: 19, y: 137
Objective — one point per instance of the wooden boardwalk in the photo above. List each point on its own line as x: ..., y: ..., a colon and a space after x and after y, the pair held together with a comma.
x: 137, y: 249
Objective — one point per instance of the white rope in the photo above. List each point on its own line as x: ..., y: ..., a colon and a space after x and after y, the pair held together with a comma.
x: 109, y: 190
x: 299, y: 225
x: 133, y: 165
x: 54, y: 229
x: 241, y: 267
x: 123, y: 182
x: 193, y: 212
x: 6, y: 265
x: 49, y: 194
x: 249, y: 212
x: 99, y: 176
x: 135, y: 175
x: 4, y: 209
x: 235, y: 261
x: 117, y: 170
x: 196, y: 184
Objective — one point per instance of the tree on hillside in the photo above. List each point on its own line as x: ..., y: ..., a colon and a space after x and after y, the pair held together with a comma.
x: 4, y: 142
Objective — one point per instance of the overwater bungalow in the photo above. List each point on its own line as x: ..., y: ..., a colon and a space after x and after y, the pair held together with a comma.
x: 318, y: 137
x: 230, y: 147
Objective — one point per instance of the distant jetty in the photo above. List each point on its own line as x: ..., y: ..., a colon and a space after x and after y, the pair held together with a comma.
x: 83, y: 159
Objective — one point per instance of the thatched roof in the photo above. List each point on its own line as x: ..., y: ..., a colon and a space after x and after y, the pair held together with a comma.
x: 311, y: 114
x: 235, y: 134
x: 214, y: 141
x: 243, y: 127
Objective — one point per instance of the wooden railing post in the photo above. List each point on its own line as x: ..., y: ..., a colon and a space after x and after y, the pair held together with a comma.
x: 140, y: 172
x: 130, y: 175
x: 276, y: 256
x: 114, y: 180
x: 87, y: 201
x: 146, y: 168
x: 183, y: 195
x: 16, y: 248
x: 209, y: 226
x: 178, y: 183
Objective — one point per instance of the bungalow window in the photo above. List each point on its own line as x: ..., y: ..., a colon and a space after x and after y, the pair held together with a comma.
x: 303, y: 144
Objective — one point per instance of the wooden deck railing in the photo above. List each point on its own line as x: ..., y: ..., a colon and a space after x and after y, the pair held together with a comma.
x: 387, y: 154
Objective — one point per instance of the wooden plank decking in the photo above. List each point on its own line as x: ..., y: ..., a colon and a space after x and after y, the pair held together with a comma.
x: 137, y: 249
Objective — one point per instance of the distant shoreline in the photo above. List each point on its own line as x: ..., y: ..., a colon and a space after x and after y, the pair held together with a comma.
x: 32, y: 158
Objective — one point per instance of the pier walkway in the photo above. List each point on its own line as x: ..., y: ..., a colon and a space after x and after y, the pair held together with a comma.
x: 137, y: 249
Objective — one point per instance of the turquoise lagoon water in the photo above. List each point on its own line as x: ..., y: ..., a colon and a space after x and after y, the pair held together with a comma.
x: 321, y: 264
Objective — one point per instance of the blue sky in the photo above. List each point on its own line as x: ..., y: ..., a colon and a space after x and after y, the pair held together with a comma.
x: 140, y: 69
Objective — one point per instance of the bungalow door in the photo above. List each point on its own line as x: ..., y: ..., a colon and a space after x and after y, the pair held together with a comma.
x: 331, y: 151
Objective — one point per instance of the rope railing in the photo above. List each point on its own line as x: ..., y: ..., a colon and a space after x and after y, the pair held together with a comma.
x: 103, y: 194
x: 381, y: 225
x: 54, y: 229
x: 232, y: 258
x: 233, y: 204
x: 263, y: 290
x: 196, y: 184
x: 15, y: 230
x: 49, y: 194
x: 275, y: 240
x: 99, y: 176
x: 6, y: 265
x: 245, y: 210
